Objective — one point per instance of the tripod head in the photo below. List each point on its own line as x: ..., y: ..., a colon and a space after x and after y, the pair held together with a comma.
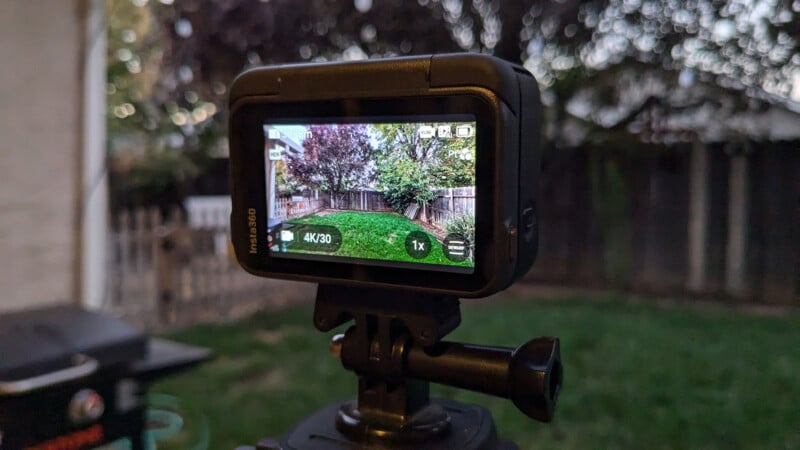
x: 530, y: 375
x: 396, y: 349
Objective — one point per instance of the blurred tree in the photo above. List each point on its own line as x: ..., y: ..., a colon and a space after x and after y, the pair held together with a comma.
x: 647, y: 64
x: 132, y: 68
x: 157, y: 148
x: 600, y: 61
x: 648, y: 70
x: 161, y: 179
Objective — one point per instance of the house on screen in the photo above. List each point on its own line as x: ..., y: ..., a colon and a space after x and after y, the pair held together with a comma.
x: 278, y: 146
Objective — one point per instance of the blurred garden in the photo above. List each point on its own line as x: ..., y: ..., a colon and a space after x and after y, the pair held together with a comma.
x: 670, y: 137
x: 669, y: 210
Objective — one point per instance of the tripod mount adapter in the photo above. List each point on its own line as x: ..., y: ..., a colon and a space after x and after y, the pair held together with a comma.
x: 396, y: 349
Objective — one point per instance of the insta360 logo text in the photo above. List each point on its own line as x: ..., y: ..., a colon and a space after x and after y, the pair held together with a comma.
x: 251, y: 223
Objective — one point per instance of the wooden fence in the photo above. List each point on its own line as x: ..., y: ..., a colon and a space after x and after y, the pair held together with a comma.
x: 291, y: 206
x: 162, y: 271
x: 451, y: 203
x: 359, y: 201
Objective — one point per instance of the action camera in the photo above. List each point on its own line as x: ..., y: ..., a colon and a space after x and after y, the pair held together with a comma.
x: 418, y: 173
x: 398, y: 185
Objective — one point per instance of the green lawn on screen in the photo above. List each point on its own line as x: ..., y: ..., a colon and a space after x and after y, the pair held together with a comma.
x: 374, y: 235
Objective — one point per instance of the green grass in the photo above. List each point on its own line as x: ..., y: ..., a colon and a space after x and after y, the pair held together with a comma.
x: 372, y: 235
x: 637, y: 376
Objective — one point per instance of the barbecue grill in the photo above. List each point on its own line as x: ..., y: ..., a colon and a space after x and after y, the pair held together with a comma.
x: 72, y: 379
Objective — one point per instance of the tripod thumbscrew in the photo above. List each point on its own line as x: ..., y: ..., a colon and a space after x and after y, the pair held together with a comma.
x: 336, y: 345
x: 535, y: 375
x: 529, y: 375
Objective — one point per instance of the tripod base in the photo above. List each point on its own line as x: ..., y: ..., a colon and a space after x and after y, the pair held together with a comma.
x: 471, y: 428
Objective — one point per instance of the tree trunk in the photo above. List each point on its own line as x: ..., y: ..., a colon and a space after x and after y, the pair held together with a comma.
x: 698, y: 217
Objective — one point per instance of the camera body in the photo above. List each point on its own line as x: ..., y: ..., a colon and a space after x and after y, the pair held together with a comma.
x: 415, y: 173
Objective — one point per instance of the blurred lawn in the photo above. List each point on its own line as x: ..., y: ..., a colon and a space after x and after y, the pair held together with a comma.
x: 637, y: 375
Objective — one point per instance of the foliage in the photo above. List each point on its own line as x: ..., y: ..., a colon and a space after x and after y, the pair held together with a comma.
x: 286, y: 184
x: 160, y: 139
x: 336, y: 159
x: 403, y: 182
x: 607, y: 68
x: 132, y: 67
x: 403, y: 138
x: 160, y: 177
x: 410, y: 167
x: 463, y: 224
x: 572, y: 47
x: 454, y: 164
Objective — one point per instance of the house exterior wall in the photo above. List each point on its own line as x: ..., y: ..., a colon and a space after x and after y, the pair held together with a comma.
x: 40, y: 125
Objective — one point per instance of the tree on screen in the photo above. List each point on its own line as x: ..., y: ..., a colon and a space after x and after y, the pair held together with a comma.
x: 454, y: 164
x: 404, y: 181
x: 335, y: 159
x: 411, y: 167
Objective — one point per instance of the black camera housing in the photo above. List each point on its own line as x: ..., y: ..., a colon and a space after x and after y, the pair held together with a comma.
x: 503, y: 98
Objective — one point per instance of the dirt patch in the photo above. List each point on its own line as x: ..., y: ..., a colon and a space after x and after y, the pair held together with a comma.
x: 321, y: 213
x: 438, y: 232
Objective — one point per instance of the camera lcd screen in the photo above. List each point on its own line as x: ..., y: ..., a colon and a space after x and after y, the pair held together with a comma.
x: 392, y: 193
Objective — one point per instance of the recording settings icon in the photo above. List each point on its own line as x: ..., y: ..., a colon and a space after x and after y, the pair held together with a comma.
x: 456, y: 247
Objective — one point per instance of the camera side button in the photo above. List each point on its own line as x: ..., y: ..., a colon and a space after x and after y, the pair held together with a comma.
x: 528, y: 218
x: 512, y: 244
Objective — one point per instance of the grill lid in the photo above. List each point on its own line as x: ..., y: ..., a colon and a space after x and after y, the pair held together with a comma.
x: 43, y: 341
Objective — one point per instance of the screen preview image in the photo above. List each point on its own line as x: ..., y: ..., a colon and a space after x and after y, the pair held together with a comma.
x: 387, y: 194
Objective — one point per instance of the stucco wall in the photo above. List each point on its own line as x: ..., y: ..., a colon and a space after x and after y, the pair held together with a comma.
x: 40, y: 93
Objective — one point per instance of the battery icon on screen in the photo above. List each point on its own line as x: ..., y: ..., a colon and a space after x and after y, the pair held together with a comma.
x: 464, y: 131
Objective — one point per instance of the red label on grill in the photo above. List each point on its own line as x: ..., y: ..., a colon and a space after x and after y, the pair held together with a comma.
x: 73, y: 441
